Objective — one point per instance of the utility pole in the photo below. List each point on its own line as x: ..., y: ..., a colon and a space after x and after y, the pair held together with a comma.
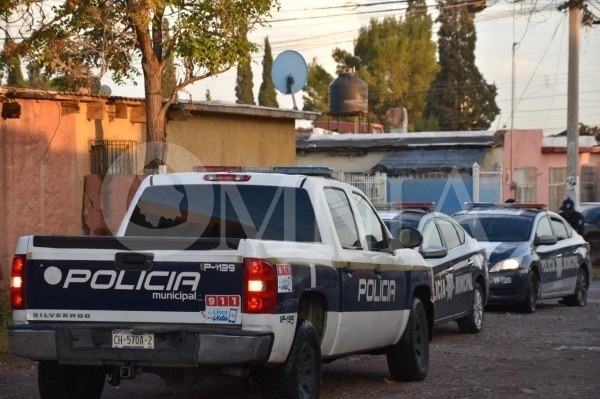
x: 574, y: 7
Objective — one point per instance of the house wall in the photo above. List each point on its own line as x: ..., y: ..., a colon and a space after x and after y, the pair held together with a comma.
x: 44, y: 159
x: 528, y: 152
x: 217, y: 139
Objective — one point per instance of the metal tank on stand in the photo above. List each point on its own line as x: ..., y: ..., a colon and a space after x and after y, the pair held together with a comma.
x: 349, y: 97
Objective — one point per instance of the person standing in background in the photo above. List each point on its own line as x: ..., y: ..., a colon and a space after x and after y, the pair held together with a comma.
x: 575, y: 218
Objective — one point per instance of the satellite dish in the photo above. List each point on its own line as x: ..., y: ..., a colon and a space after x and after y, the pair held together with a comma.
x: 105, y: 90
x: 289, y: 73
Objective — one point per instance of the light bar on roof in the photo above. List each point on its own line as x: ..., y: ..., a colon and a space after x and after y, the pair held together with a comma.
x: 517, y: 205
x: 288, y: 170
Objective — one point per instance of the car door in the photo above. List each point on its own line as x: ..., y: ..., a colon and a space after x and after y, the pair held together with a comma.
x: 355, y: 314
x: 463, y: 265
x: 567, y: 260
x: 443, y: 268
x: 548, y: 255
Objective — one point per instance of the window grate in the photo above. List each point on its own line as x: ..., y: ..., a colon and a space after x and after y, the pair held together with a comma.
x: 112, y: 157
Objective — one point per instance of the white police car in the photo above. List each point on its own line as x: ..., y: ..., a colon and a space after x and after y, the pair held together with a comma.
x: 533, y: 253
x: 458, y: 261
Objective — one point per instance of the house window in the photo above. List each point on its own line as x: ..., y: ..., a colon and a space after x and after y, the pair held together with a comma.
x: 112, y: 157
x: 526, y: 184
x: 588, y: 184
x: 557, y: 187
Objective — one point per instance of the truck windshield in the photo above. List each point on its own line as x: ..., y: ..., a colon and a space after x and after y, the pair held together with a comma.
x: 225, y: 211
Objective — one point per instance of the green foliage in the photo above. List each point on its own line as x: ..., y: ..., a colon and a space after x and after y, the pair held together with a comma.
x: 169, y: 74
x: 316, y: 97
x: 5, y: 320
x: 430, y: 124
x: 267, y: 96
x: 396, y: 58
x: 460, y: 98
x: 83, y: 39
x: 244, y: 86
x: 12, y: 62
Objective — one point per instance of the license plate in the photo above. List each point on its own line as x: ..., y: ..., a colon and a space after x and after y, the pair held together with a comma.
x: 126, y: 339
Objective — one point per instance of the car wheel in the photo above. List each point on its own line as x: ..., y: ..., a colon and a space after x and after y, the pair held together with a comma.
x: 408, y: 360
x: 533, y: 289
x: 300, y: 376
x: 57, y: 381
x: 473, y: 322
x: 579, y: 298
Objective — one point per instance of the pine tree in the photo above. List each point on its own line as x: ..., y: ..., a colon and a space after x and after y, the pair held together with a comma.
x: 396, y: 58
x: 267, y: 97
x: 316, y: 97
x: 243, y: 84
x: 459, y: 98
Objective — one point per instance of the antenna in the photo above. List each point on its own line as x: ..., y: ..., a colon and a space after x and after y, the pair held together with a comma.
x: 289, y: 73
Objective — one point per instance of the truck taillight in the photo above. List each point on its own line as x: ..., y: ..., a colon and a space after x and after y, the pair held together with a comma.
x: 17, y: 282
x: 260, y: 286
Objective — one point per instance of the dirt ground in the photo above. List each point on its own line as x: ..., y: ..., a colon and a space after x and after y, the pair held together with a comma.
x: 553, y: 353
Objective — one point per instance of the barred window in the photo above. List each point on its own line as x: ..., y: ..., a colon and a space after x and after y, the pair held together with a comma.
x: 588, y: 184
x: 526, y: 179
x: 112, y: 157
x: 558, y: 187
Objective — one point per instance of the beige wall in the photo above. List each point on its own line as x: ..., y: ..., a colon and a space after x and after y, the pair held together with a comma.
x: 221, y: 139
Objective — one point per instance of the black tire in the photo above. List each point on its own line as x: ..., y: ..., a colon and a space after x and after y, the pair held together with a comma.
x: 56, y: 381
x: 579, y: 298
x: 473, y: 322
x: 408, y: 360
x: 300, y: 376
x: 533, y: 290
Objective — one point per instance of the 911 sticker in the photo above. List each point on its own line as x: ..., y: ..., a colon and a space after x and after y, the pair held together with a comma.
x: 223, y: 309
x: 284, y: 278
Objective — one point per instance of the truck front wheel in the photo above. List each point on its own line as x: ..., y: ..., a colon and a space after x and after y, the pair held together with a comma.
x: 57, y: 381
x: 300, y: 376
x: 408, y: 360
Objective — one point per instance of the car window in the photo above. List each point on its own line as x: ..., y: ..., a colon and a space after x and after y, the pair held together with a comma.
x: 431, y: 235
x: 543, y: 227
x: 376, y: 239
x: 449, y: 234
x: 343, y: 218
x: 561, y: 231
x: 495, y: 228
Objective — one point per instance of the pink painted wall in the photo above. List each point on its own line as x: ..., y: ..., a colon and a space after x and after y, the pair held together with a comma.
x: 39, y: 186
x: 525, y: 150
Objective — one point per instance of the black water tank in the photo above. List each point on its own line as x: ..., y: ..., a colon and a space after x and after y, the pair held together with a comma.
x: 348, y: 95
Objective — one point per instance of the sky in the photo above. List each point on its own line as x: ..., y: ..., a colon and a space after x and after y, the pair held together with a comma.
x: 539, y: 31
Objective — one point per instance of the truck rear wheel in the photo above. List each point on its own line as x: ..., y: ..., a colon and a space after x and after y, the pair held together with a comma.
x: 408, y: 360
x: 56, y: 381
x: 300, y: 376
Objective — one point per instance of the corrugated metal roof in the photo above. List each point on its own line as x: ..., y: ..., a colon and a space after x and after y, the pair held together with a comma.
x: 434, y: 160
x: 391, y: 141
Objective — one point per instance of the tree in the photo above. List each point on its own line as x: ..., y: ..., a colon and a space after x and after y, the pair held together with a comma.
x: 459, y: 98
x: 115, y: 36
x: 316, y: 92
x: 12, y: 62
x: 267, y: 96
x: 169, y: 73
x: 396, y: 58
x: 243, y: 84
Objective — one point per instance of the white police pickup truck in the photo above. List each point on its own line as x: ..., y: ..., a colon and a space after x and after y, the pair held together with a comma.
x: 248, y: 274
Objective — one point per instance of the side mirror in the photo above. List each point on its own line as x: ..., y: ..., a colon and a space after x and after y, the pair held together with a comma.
x: 434, y: 252
x: 410, y: 237
x: 545, y: 240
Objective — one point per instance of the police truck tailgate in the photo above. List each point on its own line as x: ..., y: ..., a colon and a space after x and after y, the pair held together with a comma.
x: 97, y: 279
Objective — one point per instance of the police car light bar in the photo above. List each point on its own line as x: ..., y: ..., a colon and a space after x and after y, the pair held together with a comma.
x: 426, y: 206
x: 288, y: 170
x: 517, y: 205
